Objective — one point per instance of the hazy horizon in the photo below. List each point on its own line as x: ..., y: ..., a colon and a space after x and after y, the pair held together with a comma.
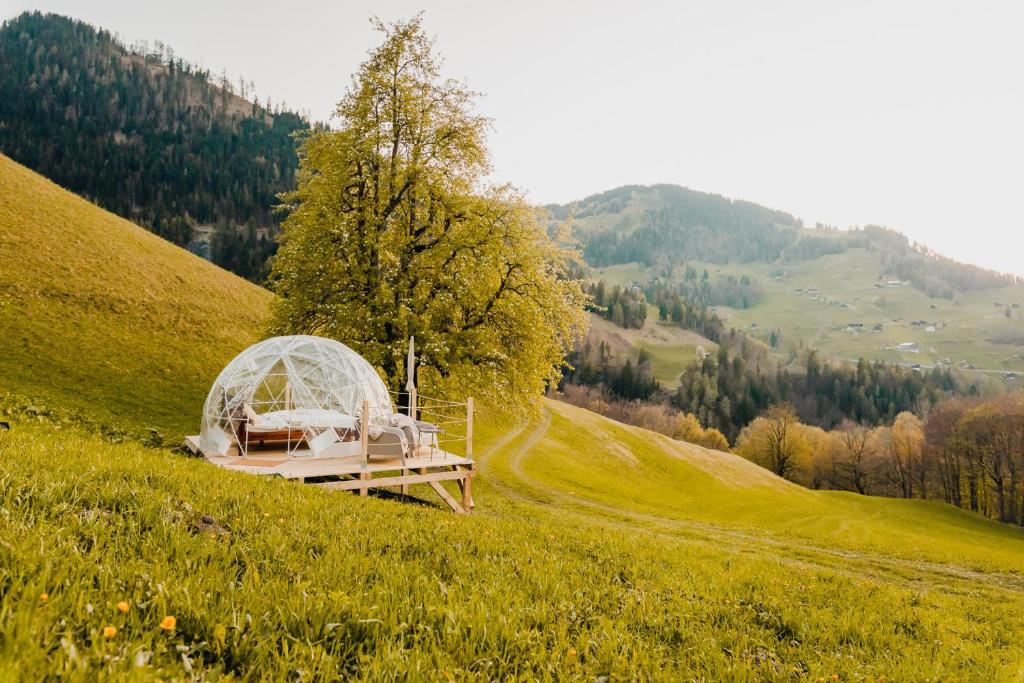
x: 906, y: 116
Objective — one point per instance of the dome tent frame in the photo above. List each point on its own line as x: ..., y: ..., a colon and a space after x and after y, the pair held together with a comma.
x: 337, y: 417
x: 303, y: 375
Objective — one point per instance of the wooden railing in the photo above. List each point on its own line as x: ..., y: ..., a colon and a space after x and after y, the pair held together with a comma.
x: 454, y: 419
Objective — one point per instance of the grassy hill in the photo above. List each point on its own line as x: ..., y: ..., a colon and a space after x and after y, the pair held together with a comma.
x: 635, y: 234
x: 851, y: 288
x: 671, y: 348
x: 598, y: 552
x: 102, y: 317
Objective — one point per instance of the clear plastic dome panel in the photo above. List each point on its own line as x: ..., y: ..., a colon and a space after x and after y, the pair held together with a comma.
x: 291, y: 373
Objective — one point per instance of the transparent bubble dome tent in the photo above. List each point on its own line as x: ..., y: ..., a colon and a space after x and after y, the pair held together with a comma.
x: 313, y: 410
x: 290, y: 382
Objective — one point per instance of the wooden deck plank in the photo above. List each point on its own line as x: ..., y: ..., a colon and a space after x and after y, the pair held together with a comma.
x: 431, y: 466
x: 300, y: 467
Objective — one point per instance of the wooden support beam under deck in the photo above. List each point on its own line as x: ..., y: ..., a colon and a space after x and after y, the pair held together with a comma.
x: 377, y: 482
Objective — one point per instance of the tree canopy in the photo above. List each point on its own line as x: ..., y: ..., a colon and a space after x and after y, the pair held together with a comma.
x: 392, y: 232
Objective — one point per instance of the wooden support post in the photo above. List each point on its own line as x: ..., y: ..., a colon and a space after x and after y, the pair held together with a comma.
x: 446, y: 497
x: 364, y: 432
x: 364, y: 477
x: 405, y: 487
x: 469, y: 428
x: 467, y: 492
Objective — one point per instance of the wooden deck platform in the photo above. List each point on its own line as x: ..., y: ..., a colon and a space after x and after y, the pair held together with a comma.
x: 429, y: 466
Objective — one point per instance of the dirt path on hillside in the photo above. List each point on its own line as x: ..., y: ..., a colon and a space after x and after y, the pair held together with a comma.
x: 791, y: 551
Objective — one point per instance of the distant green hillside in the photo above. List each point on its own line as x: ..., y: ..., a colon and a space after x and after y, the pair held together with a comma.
x: 670, y: 348
x: 147, y: 135
x: 834, y: 303
x: 850, y: 294
x: 99, y: 316
x: 652, y: 224
x: 665, y: 226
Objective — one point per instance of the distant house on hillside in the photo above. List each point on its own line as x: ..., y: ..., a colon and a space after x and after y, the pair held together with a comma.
x: 855, y: 327
x: 908, y: 347
x: 877, y: 328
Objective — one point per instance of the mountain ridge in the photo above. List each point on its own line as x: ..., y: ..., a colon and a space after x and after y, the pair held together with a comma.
x: 666, y: 225
x: 148, y: 136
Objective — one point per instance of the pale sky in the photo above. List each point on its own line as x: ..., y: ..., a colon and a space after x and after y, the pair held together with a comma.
x: 906, y: 114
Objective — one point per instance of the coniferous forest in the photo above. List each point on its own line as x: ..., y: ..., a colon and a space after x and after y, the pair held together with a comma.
x: 147, y: 135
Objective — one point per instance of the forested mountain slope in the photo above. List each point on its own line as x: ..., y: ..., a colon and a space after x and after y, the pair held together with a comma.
x: 147, y: 135
x: 665, y: 226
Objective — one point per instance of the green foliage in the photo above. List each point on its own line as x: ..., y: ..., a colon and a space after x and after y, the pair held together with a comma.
x: 934, y: 275
x: 595, y: 366
x: 146, y: 135
x: 729, y: 391
x: 680, y: 286
x: 389, y: 235
x: 624, y: 306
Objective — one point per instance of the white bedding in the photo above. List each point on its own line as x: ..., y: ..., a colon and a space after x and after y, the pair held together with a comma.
x: 302, y: 418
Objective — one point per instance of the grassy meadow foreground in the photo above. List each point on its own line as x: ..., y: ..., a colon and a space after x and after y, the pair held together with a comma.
x: 597, y: 549
x: 273, y: 579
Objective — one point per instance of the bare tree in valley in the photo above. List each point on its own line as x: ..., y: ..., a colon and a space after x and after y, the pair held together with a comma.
x: 904, y: 448
x: 939, y: 449
x: 857, y: 461
x: 775, y: 441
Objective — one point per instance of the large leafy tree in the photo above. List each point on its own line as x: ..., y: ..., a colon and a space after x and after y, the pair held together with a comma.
x: 392, y: 232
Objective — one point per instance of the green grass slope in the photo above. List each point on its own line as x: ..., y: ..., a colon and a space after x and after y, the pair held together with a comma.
x: 274, y: 580
x: 597, y: 550
x: 576, y: 459
x: 670, y: 347
x: 972, y: 328
x: 99, y: 316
